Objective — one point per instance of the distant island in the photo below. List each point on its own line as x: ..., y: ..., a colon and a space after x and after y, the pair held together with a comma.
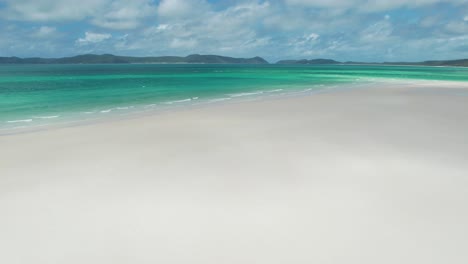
x: 109, y: 58
x: 459, y: 63
x: 207, y: 59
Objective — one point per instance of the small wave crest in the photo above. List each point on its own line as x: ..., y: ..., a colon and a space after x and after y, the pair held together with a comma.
x: 150, y: 105
x: 219, y: 99
x: 179, y: 101
x: 276, y: 90
x: 46, y: 117
x: 112, y: 109
x: 244, y: 94
x: 124, y: 107
x: 19, y: 121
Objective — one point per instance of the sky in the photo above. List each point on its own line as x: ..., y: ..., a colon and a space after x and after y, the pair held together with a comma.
x: 344, y: 30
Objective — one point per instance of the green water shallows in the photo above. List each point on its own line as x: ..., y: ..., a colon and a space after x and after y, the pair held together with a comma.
x: 41, y: 94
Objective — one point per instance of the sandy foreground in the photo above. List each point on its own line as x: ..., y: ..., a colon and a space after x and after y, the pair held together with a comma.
x: 371, y: 175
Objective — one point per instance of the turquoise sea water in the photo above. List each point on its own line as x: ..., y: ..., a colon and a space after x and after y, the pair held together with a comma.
x: 39, y: 95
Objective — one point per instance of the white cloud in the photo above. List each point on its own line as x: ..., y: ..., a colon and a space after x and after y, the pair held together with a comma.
x: 429, y: 21
x: 268, y: 29
x: 368, y: 5
x: 205, y: 30
x: 382, y: 5
x: 302, y: 46
x: 379, y: 31
x: 178, y: 43
x: 31, y: 42
x: 50, y: 10
x: 312, y: 37
x: 91, y: 37
x: 305, y: 40
x: 322, y: 3
x: 45, y: 31
x: 124, y: 14
x: 162, y: 27
x: 300, y: 19
x: 112, y: 14
x: 275, y: 29
x: 181, y: 8
x: 460, y: 27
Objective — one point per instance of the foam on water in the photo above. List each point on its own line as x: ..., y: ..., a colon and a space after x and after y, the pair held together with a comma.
x: 19, y: 121
x: 46, y: 117
x: 219, y: 99
x: 245, y: 94
x: 276, y: 90
x: 179, y: 101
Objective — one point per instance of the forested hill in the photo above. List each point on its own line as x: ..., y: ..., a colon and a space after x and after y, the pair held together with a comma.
x: 109, y: 58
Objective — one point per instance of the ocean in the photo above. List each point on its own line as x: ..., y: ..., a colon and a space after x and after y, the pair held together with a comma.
x: 37, y: 96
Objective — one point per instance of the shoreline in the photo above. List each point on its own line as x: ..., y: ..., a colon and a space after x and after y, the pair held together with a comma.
x: 144, y: 110
x: 167, y: 107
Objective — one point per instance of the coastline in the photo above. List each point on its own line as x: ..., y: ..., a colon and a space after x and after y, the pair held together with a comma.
x: 66, y: 95
x: 135, y: 111
x: 353, y: 174
x: 132, y: 111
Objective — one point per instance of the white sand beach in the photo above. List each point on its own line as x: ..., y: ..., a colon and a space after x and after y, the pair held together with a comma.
x: 371, y: 175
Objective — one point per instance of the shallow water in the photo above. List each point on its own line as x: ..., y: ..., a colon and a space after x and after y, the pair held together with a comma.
x: 40, y: 95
